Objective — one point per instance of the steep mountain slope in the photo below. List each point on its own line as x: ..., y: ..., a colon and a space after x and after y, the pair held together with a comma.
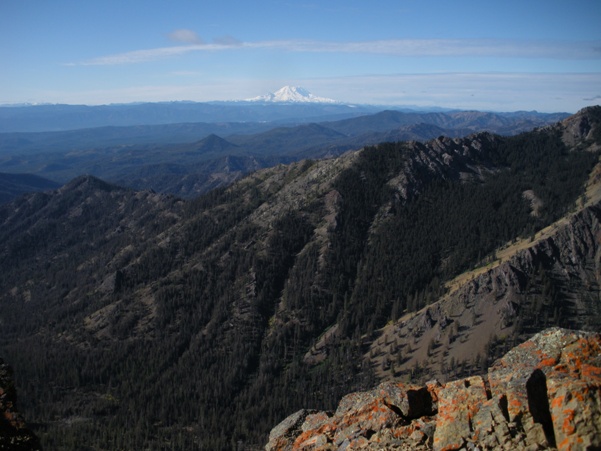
x: 550, y: 279
x: 137, y: 320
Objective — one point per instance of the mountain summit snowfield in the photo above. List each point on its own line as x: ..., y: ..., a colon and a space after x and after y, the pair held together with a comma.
x: 292, y: 94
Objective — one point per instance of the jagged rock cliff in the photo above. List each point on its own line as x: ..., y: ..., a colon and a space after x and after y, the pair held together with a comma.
x: 543, y: 394
x: 14, y: 434
x: 553, y: 278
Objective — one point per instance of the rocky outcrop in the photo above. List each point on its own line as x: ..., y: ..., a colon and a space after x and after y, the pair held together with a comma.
x: 14, y: 434
x: 543, y: 394
x: 580, y: 128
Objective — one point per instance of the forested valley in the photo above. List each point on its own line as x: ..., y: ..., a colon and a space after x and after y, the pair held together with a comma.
x: 137, y: 320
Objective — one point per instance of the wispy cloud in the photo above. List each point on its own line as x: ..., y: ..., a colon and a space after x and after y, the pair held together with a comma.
x: 446, y: 47
x: 143, y: 56
x: 399, y: 47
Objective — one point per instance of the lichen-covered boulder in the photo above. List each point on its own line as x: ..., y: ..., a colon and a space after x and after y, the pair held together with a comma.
x: 543, y: 394
x: 282, y: 436
x: 552, y: 384
x: 458, y: 403
x: 574, y: 393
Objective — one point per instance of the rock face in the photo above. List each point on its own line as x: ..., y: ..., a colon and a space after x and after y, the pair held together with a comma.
x: 543, y: 394
x: 14, y: 435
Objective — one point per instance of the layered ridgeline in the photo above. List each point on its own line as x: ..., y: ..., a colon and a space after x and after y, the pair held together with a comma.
x: 192, y: 158
x: 137, y: 320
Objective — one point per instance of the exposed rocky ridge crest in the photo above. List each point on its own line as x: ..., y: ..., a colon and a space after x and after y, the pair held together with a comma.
x: 543, y: 394
x: 447, y: 159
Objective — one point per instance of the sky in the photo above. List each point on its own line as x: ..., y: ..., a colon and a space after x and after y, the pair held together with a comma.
x: 491, y: 55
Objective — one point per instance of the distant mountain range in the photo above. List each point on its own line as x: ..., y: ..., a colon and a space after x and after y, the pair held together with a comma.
x: 288, y: 105
x: 39, y: 118
x: 187, y: 159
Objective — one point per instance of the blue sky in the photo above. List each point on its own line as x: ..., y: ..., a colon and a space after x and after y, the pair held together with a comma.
x: 487, y: 55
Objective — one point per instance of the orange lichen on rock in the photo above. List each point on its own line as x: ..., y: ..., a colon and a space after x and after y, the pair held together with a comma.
x: 557, y: 402
x: 549, y: 361
x: 543, y: 394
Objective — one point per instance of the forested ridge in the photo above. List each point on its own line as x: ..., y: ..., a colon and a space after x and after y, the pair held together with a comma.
x: 135, y: 320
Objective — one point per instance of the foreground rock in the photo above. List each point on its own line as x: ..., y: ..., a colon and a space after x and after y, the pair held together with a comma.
x: 14, y: 434
x: 543, y: 394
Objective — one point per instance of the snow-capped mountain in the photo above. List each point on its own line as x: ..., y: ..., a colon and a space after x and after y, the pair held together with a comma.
x: 292, y: 94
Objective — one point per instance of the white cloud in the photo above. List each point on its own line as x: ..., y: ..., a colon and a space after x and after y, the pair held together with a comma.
x: 186, y: 36
x: 399, y: 47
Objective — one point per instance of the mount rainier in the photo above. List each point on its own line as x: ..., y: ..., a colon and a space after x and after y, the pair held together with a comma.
x: 292, y: 94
